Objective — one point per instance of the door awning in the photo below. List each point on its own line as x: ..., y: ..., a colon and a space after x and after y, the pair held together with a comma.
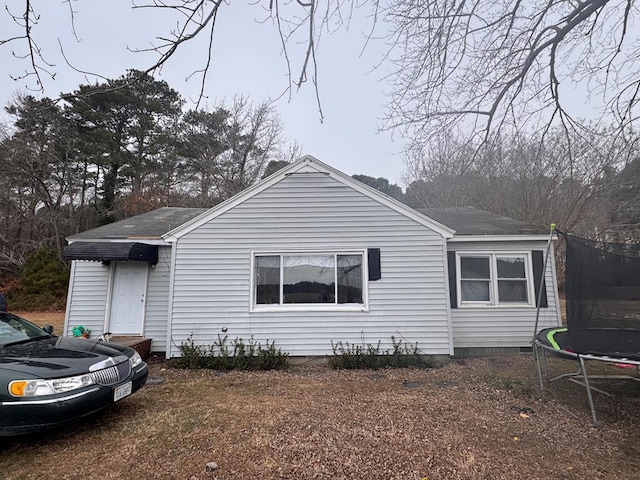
x: 107, y: 251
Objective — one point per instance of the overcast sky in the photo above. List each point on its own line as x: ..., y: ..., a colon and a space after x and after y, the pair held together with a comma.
x: 246, y: 60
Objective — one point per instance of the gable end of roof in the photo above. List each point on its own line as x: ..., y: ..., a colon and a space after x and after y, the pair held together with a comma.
x: 304, y: 166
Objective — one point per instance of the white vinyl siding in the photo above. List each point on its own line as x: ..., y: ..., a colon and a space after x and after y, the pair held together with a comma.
x: 89, y: 297
x: 87, y: 300
x: 504, y: 325
x: 311, y: 212
x: 157, y: 301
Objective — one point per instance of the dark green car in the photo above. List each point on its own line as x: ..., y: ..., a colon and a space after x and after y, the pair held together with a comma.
x: 46, y: 381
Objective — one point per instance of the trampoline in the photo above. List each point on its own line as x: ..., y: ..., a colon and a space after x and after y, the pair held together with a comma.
x: 620, y: 344
x: 602, y: 286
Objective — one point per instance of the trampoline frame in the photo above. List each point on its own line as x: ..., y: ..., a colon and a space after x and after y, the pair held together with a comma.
x: 582, y: 370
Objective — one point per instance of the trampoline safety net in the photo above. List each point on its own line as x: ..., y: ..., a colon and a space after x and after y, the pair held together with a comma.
x: 602, y: 285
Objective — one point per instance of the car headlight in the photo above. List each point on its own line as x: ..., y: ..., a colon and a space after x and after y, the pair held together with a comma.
x: 135, y: 359
x: 36, y: 388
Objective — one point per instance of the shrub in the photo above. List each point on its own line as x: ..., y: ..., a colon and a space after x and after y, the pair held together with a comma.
x: 349, y: 356
x: 42, y: 284
x: 44, y: 272
x: 237, y: 356
x: 192, y: 355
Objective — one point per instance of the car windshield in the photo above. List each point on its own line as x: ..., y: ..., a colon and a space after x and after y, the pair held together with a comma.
x: 14, y: 329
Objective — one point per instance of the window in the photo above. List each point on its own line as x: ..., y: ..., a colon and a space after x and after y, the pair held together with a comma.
x: 494, y: 279
x: 512, y: 279
x: 310, y: 279
x: 475, y: 279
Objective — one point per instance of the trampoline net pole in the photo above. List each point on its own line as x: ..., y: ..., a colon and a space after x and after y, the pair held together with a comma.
x: 585, y: 376
x: 536, y: 354
x: 542, y: 282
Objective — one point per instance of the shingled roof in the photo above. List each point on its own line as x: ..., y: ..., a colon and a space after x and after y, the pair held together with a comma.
x: 473, y: 221
x: 150, y: 225
x: 154, y: 224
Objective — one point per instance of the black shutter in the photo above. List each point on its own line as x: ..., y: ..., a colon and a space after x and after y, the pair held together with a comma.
x: 537, y: 257
x: 453, y: 284
x: 373, y: 255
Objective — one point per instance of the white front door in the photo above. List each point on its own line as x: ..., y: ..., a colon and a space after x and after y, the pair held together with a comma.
x: 127, y: 298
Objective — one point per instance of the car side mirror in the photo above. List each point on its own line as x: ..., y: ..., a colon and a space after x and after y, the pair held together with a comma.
x: 48, y: 329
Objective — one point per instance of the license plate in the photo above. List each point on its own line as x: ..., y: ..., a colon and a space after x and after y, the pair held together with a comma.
x: 122, y: 391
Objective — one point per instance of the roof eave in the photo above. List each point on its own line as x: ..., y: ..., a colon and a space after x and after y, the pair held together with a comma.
x: 506, y: 237
x: 146, y: 240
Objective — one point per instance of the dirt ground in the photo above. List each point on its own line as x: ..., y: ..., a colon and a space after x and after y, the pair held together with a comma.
x: 472, y: 419
x: 481, y: 418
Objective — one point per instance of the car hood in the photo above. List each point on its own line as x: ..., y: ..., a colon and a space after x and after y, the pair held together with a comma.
x: 55, y: 356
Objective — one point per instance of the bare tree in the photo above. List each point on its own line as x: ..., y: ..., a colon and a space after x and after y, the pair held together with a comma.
x: 483, y: 67
x: 468, y: 66
x: 253, y: 137
x: 300, y: 25
x: 36, y: 182
x: 522, y: 177
x: 223, y: 151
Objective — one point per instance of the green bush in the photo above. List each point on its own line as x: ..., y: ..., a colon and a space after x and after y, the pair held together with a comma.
x: 193, y: 356
x: 44, y: 272
x: 42, y: 284
x: 349, y: 356
x: 237, y: 356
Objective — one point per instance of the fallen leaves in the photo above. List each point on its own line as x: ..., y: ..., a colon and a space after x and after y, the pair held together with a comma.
x: 472, y: 419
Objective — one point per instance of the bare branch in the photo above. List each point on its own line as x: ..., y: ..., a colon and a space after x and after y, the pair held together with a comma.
x: 483, y: 67
x: 299, y: 23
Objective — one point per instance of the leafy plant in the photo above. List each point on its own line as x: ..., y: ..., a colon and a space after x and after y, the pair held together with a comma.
x: 44, y: 272
x: 42, y: 284
x: 192, y: 355
x: 239, y: 355
x: 351, y: 356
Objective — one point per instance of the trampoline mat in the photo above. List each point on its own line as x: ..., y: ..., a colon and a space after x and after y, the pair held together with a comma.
x: 609, y: 342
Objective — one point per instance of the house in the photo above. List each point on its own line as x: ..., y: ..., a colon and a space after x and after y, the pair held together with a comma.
x: 310, y: 256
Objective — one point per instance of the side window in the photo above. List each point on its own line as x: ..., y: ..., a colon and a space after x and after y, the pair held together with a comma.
x: 267, y: 279
x: 350, y: 279
x: 512, y: 280
x: 475, y: 279
x: 494, y: 279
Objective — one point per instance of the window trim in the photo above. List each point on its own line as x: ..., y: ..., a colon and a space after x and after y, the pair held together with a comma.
x: 494, y: 301
x: 309, y: 307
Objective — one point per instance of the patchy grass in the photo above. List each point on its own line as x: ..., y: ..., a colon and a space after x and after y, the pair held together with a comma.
x: 45, y: 318
x: 471, y: 419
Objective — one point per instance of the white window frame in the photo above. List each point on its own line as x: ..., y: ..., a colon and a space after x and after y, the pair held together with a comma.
x: 310, y: 307
x: 494, y: 300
